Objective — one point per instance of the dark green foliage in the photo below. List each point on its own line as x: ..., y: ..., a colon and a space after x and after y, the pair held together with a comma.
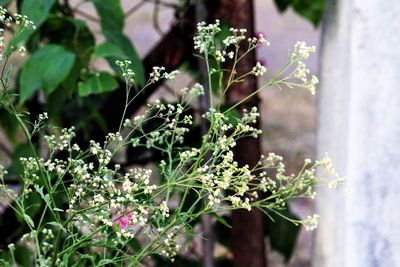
x: 312, y: 10
x: 112, y: 23
x: 282, y: 233
x: 45, y: 69
x: 97, y: 83
x: 15, y: 169
x: 8, y: 124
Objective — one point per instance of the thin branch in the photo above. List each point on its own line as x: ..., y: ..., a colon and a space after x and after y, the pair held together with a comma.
x: 86, y: 15
x: 169, y: 89
x: 135, y: 8
x: 164, y: 4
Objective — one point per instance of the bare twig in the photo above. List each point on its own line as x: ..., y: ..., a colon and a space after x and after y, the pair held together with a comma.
x: 86, y: 15
x: 134, y: 8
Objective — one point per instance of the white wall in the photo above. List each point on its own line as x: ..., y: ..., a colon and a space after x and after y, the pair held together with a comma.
x: 359, y: 126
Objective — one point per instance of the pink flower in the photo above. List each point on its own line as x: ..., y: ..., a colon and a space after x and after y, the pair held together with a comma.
x: 259, y: 35
x: 122, y: 218
x: 263, y: 62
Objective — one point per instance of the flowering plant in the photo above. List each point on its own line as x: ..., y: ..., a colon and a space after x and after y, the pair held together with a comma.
x: 122, y: 216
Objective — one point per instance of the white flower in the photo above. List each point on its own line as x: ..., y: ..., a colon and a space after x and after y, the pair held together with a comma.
x: 311, y: 222
x: 258, y: 70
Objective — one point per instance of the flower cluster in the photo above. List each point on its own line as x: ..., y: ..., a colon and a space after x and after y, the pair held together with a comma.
x: 92, y: 202
x: 22, y: 23
x: 258, y: 70
x: 127, y: 72
x: 205, y: 35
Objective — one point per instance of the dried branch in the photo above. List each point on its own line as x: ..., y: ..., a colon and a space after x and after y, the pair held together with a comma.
x: 135, y: 8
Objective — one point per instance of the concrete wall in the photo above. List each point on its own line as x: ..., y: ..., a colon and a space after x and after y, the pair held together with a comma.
x: 359, y: 126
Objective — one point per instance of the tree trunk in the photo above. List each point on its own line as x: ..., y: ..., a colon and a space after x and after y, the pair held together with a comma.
x: 247, y: 227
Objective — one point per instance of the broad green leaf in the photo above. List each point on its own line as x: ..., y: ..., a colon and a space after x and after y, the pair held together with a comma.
x: 282, y: 233
x: 111, y: 14
x: 97, y: 83
x: 310, y: 9
x: 45, y: 69
x: 108, y: 50
x: 73, y: 34
x: 37, y: 11
x: 112, y: 24
x: 120, y: 40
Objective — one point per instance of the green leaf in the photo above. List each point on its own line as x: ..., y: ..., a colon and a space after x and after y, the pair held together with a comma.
x: 233, y: 114
x: 46, y: 197
x: 282, y: 233
x: 97, y: 83
x: 312, y: 10
x: 124, y: 44
x: 112, y: 24
x: 108, y: 50
x: 221, y: 220
x: 73, y: 34
x: 37, y: 11
x: 65, y: 259
x: 282, y: 5
x: 111, y: 14
x: 29, y: 221
x: 45, y: 69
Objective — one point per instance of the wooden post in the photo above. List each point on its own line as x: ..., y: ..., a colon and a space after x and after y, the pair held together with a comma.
x: 247, y: 232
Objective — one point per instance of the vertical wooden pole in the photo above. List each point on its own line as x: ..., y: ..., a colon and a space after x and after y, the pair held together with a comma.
x: 248, y: 232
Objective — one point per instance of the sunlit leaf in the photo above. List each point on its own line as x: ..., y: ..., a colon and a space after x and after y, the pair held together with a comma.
x: 108, y: 50
x: 111, y: 14
x: 45, y: 69
x: 97, y: 83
